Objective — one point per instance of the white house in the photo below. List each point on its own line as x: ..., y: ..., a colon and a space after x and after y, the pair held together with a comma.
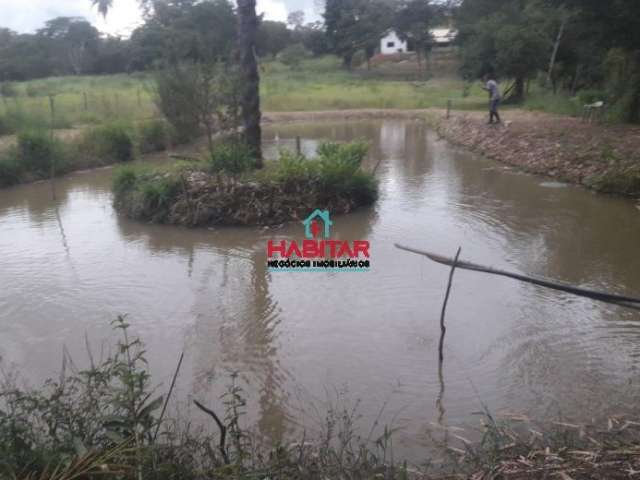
x: 391, y: 43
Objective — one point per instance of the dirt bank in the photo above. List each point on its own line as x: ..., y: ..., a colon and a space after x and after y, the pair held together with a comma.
x: 605, y: 158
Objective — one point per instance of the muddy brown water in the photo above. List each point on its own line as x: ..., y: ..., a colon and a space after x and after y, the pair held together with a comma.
x: 303, y: 341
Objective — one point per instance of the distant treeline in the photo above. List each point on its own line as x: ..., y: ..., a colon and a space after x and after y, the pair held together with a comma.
x: 173, y: 31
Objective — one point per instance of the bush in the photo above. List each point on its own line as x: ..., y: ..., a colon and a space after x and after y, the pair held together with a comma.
x: 293, y: 168
x: 176, y: 99
x: 37, y: 152
x: 621, y: 180
x: 32, y: 158
x: 124, y: 179
x: 145, y: 194
x: 336, y: 172
x: 340, y: 174
x: 109, y: 143
x: 6, y: 127
x: 153, y: 136
x: 232, y: 159
x: 8, y: 89
x: 158, y: 193
x: 586, y: 97
x: 15, y: 118
x: 32, y: 91
x: 10, y: 170
x: 293, y: 55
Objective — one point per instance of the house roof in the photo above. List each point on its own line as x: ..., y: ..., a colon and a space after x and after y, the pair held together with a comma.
x: 440, y: 35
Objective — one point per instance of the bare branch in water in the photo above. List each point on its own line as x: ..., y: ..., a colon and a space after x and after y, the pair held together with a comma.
x: 621, y: 300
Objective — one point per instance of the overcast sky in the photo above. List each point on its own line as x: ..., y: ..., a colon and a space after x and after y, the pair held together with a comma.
x: 28, y: 15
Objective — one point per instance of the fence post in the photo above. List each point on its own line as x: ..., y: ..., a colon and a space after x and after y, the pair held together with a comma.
x: 298, y: 145
x: 52, y: 161
x: 448, y: 108
x: 52, y: 109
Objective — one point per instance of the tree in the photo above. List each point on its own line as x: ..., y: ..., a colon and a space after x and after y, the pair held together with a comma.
x: 273, y: 37
x: 313, y: 38
x: 296, y: 19
x: 103, y: 6
x: 413, y: 22
x: 340, y: 20
x: 198, y: 31
x: 72, y: 43
x: 196, y: 96
x: 508, y: 39
x: 375, y: 17
x: 113, y: 56
x: 250, y: 99
x: 352, y: 25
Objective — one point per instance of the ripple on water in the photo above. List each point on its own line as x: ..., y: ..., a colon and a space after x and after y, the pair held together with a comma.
x: 69, y: 270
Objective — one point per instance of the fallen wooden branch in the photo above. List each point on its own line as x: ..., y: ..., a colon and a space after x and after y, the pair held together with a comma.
x: 621, y: 300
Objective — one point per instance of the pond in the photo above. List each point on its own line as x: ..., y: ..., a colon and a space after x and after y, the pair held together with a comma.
x: 303, y: 340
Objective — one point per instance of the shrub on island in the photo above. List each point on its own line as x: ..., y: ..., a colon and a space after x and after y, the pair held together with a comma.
x: 227, y: 190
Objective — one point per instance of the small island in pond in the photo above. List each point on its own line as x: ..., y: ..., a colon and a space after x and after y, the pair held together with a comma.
x: 227, y: 189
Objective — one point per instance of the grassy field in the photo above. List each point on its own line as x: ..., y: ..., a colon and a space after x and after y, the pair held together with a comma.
x: 319, y: 84
x: 77, y: 101
x: 322, y: 85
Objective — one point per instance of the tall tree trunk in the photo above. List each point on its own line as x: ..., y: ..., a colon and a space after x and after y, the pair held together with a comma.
x: 347, y: 59
x: 554, y: 54
x: 250, y: 101
x: 518, y: 92
x: 576, y: 80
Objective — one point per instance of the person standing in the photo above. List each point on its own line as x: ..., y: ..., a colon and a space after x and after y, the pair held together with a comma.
x: 494, y: 98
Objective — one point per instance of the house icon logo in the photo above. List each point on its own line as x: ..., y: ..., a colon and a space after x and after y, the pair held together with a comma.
x: 312, y: 228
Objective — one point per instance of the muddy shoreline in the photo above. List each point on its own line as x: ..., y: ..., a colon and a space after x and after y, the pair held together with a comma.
x: 604, y: 158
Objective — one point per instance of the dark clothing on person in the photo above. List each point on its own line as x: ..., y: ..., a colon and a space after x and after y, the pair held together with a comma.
x: 493, y: 110
x: 494, y: 100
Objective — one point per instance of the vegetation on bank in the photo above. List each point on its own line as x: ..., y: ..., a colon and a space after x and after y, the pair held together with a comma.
x: 38, y: 155
x: 108, y: 420
x: 226, y: 189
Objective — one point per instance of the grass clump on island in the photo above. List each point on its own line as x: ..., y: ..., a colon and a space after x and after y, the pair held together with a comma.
x: 226, y: 189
